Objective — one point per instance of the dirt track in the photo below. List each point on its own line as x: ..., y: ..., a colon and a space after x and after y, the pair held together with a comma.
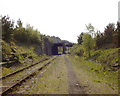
x: 74, y: 85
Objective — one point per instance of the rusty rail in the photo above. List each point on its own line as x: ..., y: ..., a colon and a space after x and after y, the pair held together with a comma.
x: 22, y: 69
x: 9, y: 89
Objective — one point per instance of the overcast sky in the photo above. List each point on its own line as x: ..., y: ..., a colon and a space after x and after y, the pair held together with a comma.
x: 63, y: 18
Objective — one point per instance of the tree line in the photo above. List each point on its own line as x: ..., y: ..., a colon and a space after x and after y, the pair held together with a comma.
x: 96, y: 40
x: 11, y: 32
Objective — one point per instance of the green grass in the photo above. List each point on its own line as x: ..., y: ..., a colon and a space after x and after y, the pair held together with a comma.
x: 108, y: 57
x: 94, y: 70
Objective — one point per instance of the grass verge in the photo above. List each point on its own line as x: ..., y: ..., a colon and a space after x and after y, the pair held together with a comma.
x: 91, y: 75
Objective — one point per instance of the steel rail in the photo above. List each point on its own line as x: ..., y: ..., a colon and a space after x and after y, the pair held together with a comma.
x: 26, y: 77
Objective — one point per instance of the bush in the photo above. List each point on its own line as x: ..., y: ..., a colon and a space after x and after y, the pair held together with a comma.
x: 77, y: 50
x: 6, y: 51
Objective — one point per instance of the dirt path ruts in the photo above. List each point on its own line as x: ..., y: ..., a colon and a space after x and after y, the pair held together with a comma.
x: 74, y: 85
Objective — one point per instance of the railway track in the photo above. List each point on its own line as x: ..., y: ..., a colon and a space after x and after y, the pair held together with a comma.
x: 14, y: 79
x: 22, y: 69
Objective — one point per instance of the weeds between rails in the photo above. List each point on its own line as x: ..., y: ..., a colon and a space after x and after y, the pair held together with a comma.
x: 22, y: 69
x: 25, y: 78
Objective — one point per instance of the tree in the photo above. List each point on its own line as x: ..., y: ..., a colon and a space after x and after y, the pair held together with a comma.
x: 108, y: 32
x: 87, y: 43
x: 90, y: 29
x: 7, y: 28
x: 100, y: 40
x: 27, y: 35
x: 33, y: 35
x: 80, y: 38
x: 19, y: 23
x: 20, y: 33
x: 116, y: 35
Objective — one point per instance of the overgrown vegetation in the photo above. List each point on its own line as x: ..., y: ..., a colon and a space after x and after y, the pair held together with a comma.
x: 16, y: 37
x: 21, y: 56
x: 23, y: 46
x: 94, y: 72
x: 18, y: 54
x: 27, y: 34
x: 101, y: 47
x: 98, y: 52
